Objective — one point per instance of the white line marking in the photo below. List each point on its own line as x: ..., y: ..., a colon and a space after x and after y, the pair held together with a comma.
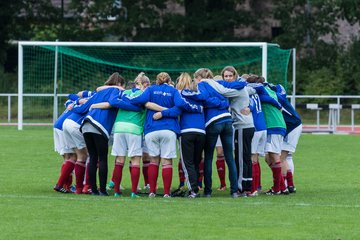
x: 260, y: 202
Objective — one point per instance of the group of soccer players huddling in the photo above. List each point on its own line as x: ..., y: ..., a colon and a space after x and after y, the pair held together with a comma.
x: 243, y: 117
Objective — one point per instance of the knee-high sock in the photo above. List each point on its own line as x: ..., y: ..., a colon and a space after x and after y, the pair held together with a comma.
x: 290, y: 163
x: 254, y: 185
x: 153, y: 173
x: 145, y: 172
x: 167, y: 171
x: 276, y: 170
x: 135, y: 176
x: 79, y: 175
x: 259, y: 175
x: 66, y: 170
x: 220, y: 165
x: 117, y: 176
x: 289, y: 178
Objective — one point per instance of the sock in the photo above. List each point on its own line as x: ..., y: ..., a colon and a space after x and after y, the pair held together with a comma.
x: 66, y: 171
x: 254, y: 185
x: 290, y: 163
x: 283, y: 185
x: 276, y: 170
x: 153, y: 172
x: 87, y: 180
x: 79, y: 176
x: 201, y: 173
x: 181, y: 174
x: 220, y: 165
x: 167, y: 171
x: 259, y: 175
x: 117, y: 175
x: 68, y: 181
x: 135, y: 176
x: 145, y: 171
x: 289, y: 178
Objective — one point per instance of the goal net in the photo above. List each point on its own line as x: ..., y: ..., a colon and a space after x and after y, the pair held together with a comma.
x: 48, y: 71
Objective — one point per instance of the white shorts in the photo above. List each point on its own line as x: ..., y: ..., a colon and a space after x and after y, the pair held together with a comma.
x: 218, y: 142
x: 258, y: 143
x: 291, y: 140
x: 59, y: 142
x: 73, y: 137
x: 273, y: 143
x: 161, y: 143
x: 127, y: 143
x: 144, y: 146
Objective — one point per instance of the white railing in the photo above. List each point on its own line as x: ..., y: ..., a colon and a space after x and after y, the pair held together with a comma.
x: 334, y: 108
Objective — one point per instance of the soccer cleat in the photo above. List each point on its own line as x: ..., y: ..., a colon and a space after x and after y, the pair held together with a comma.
x: 207, y: 195
x: 178, y: 193
x: 134, y: 195
x: 271, y: 192
x: 104, y: 194
x: 291, y: 189
x: 249, y: 194
x: 167, y: 196
x: 152, y: 195
x: 57, y: 188
x: 86, y: 189
x: 117, y: 195
x: 110, y: 185
x: 285, y: 192
x: 193, y: 195
x: 253, y: 194
x: 95, y: 193
x: 222, y: 188
x: 147, y: 187
x: 235, y: 195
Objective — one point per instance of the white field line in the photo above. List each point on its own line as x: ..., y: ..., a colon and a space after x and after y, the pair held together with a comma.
x: 242, y: 201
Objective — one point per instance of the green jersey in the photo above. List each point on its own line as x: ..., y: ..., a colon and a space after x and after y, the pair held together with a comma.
x: 273, y: 117
x: 129, y: 121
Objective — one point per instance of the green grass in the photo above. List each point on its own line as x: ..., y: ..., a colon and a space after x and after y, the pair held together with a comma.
x: 326, y: 205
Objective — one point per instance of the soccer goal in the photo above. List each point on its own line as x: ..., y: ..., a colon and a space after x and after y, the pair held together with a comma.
x: 48, y: 71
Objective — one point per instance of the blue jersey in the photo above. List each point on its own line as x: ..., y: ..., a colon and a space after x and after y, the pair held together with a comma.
x: 291, y: 116
x: 257, y: 113
x: 59, y: 122
x: 165, y: 96
x: 101, y: 119
x: 212, y: 112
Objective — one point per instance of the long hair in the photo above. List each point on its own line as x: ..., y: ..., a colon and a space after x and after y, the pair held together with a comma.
x: 229, y: 69
x: 162, y: 77
x: 141, y: 79
x: 203, y: 73
x: 183, y: 81
x: 115, y: 79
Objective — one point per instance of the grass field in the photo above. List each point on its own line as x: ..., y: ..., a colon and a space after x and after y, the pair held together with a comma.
x: 326, y: 206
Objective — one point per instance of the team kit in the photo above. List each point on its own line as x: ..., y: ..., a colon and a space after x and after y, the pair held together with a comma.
x: 152, y: 124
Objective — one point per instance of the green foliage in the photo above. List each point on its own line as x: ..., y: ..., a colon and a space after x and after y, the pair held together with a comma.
x: 303, y: 23
x: 348, y: 67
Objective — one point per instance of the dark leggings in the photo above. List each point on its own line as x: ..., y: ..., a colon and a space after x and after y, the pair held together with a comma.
x: 97, y: 146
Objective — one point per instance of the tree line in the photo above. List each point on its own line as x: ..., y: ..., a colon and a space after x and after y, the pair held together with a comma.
x: 324, y: 67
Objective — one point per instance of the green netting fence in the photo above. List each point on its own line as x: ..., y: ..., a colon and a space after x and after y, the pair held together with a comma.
x: 86, y: 67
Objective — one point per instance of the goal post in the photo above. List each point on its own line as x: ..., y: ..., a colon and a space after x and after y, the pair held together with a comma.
x: 48, y: 71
